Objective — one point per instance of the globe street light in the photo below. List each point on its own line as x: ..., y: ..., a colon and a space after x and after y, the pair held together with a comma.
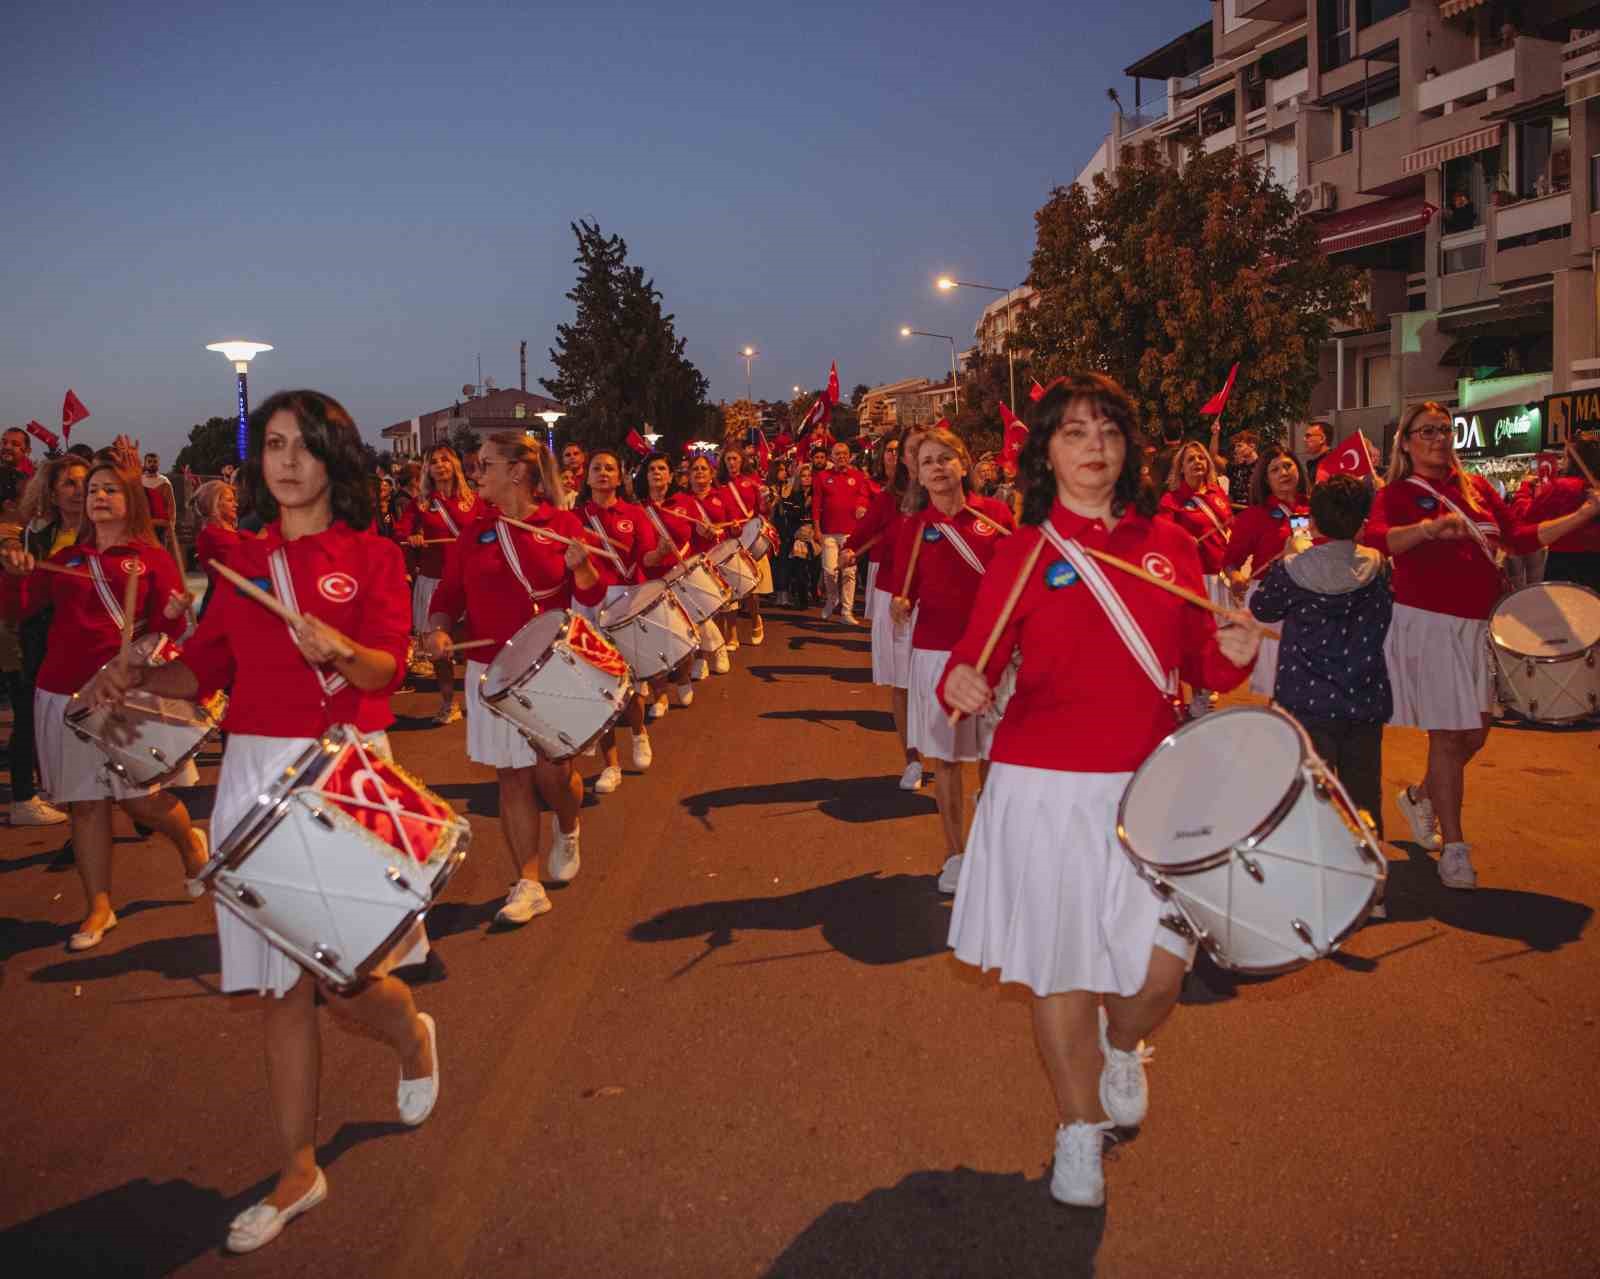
x: 945, y: 284
x: 955, y: 380
x: 241, y: 353
x: 551, y: 417
x: 749, y: 355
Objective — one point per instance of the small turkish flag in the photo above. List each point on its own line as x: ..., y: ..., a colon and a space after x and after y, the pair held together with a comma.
x: 820, y: 414
x: 763, y: 452
x: 1036, y: 393
x: 1547, y: 465
x: 72, y: 411
x: 1219, y: 401
x: 1352, y: 456
x: 44, y: 433
x: 833, y: 384
x: 1016, y: 437
x: 637, y: 443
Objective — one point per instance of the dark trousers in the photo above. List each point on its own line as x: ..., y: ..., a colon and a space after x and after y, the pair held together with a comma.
x: 22, y: 751
x: 1353, y: 749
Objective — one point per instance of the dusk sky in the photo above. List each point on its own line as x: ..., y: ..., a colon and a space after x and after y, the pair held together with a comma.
x: 383, y: 191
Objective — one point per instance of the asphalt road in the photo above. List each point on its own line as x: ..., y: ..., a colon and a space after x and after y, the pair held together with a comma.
x: 738, y: 1047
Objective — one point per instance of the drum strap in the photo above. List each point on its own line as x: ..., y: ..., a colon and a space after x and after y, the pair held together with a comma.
x: 443, y: 508
x: 1116, y: 610
x: 283, y: 584
x: 733, y: 487
x: 1216, y: 524
x: 960, y: 546
x: 108, y: 597
x: 514, y: 563
x: 661, y: 528
x: 605, y: 541
x: 1472, y: 524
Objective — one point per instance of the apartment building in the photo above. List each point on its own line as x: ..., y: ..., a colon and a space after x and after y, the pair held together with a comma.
x: 913, y: 401
x: 1449, y: 150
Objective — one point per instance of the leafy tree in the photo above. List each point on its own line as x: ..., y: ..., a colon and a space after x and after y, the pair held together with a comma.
x: 212, y: 445
x: 985, y: 385
x: 620, y: 363
x: 737, y: 419
x: 1163, y: 278
x: 858, y: 392
x: 463, y: 437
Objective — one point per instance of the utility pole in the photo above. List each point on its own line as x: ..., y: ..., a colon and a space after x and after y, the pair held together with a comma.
x: 524, y: 361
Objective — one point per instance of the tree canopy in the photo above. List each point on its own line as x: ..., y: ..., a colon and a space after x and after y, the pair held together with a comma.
x: 1164, y: 277
x: 212, y: 445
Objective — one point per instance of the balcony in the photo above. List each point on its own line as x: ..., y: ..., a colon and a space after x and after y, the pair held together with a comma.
x: 1222, y: 138
x: 1528, y: 68
x: 1529, y: 217
x: 1271, y: 10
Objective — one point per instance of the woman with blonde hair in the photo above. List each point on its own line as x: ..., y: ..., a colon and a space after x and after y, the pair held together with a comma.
x: 1445, y: 530
x: 216, y: 508
x: 1198, y: 504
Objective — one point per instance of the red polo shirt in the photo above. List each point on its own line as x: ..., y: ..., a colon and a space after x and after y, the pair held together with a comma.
x: 1259, y: 535
x: 839, y: 499
x: 436, y: 517
x: 943, y: 582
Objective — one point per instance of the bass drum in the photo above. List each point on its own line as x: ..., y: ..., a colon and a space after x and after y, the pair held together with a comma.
x: 1543, y: 639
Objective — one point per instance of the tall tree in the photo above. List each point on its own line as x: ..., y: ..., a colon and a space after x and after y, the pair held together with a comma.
x: 212, y: 445
x: 1164, y: 277
x: 620, y: 365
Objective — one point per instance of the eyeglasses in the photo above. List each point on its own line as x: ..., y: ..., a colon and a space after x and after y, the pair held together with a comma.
x: 1431, y: 432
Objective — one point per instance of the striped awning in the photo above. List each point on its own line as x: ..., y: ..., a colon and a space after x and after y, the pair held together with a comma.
x: 1425, y: 158
x: 1449, y: 8
x: 1374, y: 223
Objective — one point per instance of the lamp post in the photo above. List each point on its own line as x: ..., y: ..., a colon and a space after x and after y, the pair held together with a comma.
x: 550, y: 418
x: 241, y: 353
x: 946, y: 284
x: 955, y: 380
x: 749, y: 355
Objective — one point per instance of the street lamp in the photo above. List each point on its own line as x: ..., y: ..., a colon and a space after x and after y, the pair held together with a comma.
x: 749, y: 355
x: 945, y: 284
x: 241, y: 353
x: 955, y: 380
x: 550, y: 417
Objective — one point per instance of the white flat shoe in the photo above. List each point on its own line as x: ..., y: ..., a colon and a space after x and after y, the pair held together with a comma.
x: 89, y: 938
x: 193, y: 884
x: 259, y: 1225
x: 417, y: 1097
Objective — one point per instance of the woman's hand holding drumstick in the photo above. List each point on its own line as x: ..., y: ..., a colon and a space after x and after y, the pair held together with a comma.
x: 566, y: 541
x: 1234, y: 617
x: 318, y: 642
x: 966, y: 688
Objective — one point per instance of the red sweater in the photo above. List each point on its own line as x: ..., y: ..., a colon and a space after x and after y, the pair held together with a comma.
x: 1451, y: 576
x: 632, y: 537
x: 680, y: 533
x: 437, y: 517
x: 215, y: 542
x: 1553, y: 500
x: 943, y: 583
x: 1259, y: 535
x: 1187, y: 508
x: 355, y: 582
x: 1082, y: 704
x: 883, y: 516
x: 839, y: 499
x: 709, y: 508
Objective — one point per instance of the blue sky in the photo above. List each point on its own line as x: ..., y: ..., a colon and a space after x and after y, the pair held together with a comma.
x: 383, y: 191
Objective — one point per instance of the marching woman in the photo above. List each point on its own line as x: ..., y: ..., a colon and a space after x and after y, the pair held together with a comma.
x: 1046, y: 895
x: 1443, y: 527
x: 290, y: 683
x: 1198, y: 504
x: 946, y: 542
x: 675, y: 535
x: 217, y: 505
x: 703, y: 504
x: 499, y: 576
x: 1276, y: 517
x: 743, y: 498
x: 623, y: 529
x: 1576, y: 556
x: 443, y: 508
x: 877, y: 535
x: 115, y: 544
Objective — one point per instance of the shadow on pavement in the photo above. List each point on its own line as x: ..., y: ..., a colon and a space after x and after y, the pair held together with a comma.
x: 149, y: 1227
x: 845, y: 799
x: 29, y: 862
x: 447, y: 919
x: 799, y: 642
x: 481, y: 799
x: 19, y: 935
x: 839, y: 674
x: 872, y: 721
x: 176, y: 958
x: 1539, y: 921
x: 870, y: 918
x: 959, y: 1222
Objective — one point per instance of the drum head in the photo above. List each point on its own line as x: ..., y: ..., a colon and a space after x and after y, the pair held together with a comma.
x: 639, y: 599
x: 1210, y: 785
x: 1548, y: 619
x: 523, y: 651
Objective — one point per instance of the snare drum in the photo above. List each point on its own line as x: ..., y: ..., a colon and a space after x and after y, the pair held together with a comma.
x: 758, y: 537
x: 1543, y: 639
x: 560, y: 682
x: 1256, y: 847
x: 146, y: 738
x: 701, y: 590
x: 339, y: 859
x: 737, y: 568
x: 651, y: 628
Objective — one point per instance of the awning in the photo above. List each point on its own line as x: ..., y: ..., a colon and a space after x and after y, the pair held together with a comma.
x: 1450, y: 8
x: 1467, y: 144
x: 1374, y: 223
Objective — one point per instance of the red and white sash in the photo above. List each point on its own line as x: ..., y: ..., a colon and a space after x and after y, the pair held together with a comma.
x: 661, y: 528
x: 1217, y: 526
x: 1473, y: 527
x: 283, y: 584
x: 960, y: 545
x: 733, y: 488
x: 605, y: 541
x: 443, y: 508
x: 108, y: 597
x: 514, y: 563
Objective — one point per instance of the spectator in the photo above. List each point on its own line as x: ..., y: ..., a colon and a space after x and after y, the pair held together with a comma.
x: 839, y: 501
x: 163, y: 505
x: 472, y: 464
x: 1240, y: 467
x: 1316, y: 450
x: 16, y: 450
x: 1461, y: 215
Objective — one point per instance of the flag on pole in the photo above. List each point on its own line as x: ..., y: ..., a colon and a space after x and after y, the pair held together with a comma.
x: 1352, y: 456
x: 1219, y: 401
x: 44, y: 433
x: 833, y: 385
x: 1036, y: 392
x: 1016, y: 436
x: 637, y: 443
x: 820, y: 414
x: 763, y: 452
x: 72, y: 411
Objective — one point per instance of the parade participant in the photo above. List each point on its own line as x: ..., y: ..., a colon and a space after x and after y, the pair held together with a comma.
x: 115, y: 542
x: 839, y: 502
x: 891, y: 643
x: 1046, y: 895
x: 574, y: 465
x: 675, y: 533
x: 445, y: 505
x: 742, y: 498
x: 1196, y: 503
x: 216, y: 507
x: 1575, y: 557
x: 288, y: 684
x: 705, y: 507
x: 499, y: 576
x: 626, y: 531
x: 947, y: 540
x: 1263, y: 531
x: 472, y: 464
x: 1442, y: 527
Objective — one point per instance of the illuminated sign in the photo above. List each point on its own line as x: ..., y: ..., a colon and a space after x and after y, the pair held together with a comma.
x: 1499, y: 432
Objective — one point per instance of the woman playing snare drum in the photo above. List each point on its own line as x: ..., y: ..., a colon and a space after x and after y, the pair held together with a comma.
x: 702, y: 504
x: 1444, y: 529
x: 1261, y: 532
x: 675, y: 536
x: 1574, y: 557
x: 1197, y: 503
x: 742, y: 498
x: 288, y: 684
x: 1046, y: 895
x: 499, y: 576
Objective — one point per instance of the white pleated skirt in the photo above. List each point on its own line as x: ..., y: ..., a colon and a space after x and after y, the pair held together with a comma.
x: 592, y: 611
x: 70, y: 769
x: 873, y: 604
x: 249, y: 960
x: 1047, y: 896
x: 1264, y: 675
x: 891, y: 644
x: 1439, y: 669
x: 421, y: 600
x: 763, y: 576
x: 928, y: 728
x: 492, y: 740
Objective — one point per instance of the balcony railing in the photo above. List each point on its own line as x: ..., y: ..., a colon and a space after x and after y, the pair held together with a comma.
x: 1464, y: 82
x: 1529, y: 217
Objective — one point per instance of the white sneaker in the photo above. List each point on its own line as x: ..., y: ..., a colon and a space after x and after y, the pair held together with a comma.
x: 950, y: 876
x: 1455, y: 867
x: 657, y: 708
x: 683, y: 694
x: 720, y: 665
x: 758, y: 634
x: 563, y: 860
x: 193, y: 884
x: 1124, y: 1092
x: 732, y: 642
x: 827, y: 612
x: 698, y: 669
x: 1077, y: 1177
x: 35, y: 812
x: 911, y: 779
x: 525, y: 900
x: 642, y: 754
x: 1418, y: 812
x: 610, y: 778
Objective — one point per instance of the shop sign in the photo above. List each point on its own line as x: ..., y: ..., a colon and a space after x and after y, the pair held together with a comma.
x: 1499, y: 432
x: 1571, y: 415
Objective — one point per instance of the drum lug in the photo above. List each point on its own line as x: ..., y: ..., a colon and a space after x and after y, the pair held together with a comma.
x: 1251, y: 865
x: 155, y: 754
x: 1181, y: 926
x: 1303, y: 931
x: 1319, y: 787
x: 248, y: 896
x: 322, y: 818
x: 325, y: 955
x: 398, y: 880
x: 1533, y: 708
x: 523, y: 701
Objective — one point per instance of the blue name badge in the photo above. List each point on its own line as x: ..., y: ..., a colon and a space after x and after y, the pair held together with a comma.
x: 487, y: 536
x: 1427, y: 503
x: 75, y: 562
x: 1060, y: 574
x: 931, y: 534
x: 1277, y: 512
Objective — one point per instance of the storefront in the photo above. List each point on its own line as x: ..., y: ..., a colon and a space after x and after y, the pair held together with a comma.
x: 1500, y: 443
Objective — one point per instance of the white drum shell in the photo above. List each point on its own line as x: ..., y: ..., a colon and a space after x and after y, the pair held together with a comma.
x: 1543, y: 640
x: 737, y: 568
x: 753, y: 537
x: 651, y: 629
x: 559, y: 701
x: 700, y: 589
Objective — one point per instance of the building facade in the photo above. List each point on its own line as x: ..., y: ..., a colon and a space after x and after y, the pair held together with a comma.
x: 910, y: 402
x: 485, y: 414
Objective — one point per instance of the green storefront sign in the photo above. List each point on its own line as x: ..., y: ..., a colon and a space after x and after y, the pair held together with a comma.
x: 1500, y: 432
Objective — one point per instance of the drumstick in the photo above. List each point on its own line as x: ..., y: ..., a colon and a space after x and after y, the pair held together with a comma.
x: 456, y: 648
x: 567, y: 541
x: 1582, y: 465
x: 1181, y: 592
x: 47, y: 567
x: 989, y: 520
x: 911, y: 567
x: 437, y: 541
x: 1005, y: 614
x: 267, y: 600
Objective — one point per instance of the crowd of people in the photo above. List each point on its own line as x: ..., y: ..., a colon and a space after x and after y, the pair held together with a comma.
x: 1021, y: 622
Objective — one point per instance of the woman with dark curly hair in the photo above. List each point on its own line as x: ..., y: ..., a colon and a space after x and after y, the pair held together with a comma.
x: 1045, y: 893
x: 1276, y: 517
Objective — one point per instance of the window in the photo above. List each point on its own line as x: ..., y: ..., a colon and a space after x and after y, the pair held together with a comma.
x: 1367, y: 113
x: 1594, y: 183
x: 1468, y: 182
x: 1369, y: 12
x: 1466, y: 257
x: 1374, y: 380
x: 1334, y: 21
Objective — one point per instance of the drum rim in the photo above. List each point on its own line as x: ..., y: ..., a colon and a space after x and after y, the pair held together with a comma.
x: 549, y: 652
x: 694, y: 634
x: 1535, y: 657
x: 239, y: 842
x: 492, y: 702
x: 636, y: 589
x: 1265, y: 827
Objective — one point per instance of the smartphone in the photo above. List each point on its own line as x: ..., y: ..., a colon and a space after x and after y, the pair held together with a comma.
x: 1300, y: 524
